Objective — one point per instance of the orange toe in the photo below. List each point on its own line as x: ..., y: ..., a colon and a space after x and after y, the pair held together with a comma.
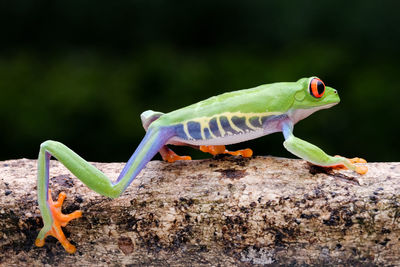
x: 358, y: 169
x: 213, y: 150
x: 170, y: 156
x: 357, y: 160
x: 246, y: 153
x: 59, y: 220
x: 216, y: 150
x: 175, y: 158
x: 39, y: 242
x: 361, y: 169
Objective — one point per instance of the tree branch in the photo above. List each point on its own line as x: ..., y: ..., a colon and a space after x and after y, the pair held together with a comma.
x: 226, y: 211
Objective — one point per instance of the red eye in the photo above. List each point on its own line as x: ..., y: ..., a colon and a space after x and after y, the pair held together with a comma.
x: 316, y: 88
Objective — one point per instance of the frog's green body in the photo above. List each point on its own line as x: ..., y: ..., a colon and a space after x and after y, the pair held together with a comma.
x: 244, y: 114
x: 220, y: 120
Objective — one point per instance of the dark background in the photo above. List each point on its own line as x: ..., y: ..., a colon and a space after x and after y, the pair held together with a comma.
x: 81, y: 72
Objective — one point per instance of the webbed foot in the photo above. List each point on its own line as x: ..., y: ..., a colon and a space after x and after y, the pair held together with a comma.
x: 358, y: 169
x: 170, y: 156
x: 215, y: 150
x: 59, y: 220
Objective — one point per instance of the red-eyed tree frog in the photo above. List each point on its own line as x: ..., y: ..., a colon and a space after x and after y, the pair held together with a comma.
x: 208, y: 125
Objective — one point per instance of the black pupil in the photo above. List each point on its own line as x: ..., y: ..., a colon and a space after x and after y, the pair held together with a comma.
x: 320, y: 87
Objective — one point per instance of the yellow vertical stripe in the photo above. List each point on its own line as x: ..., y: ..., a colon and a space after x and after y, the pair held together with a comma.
x: 186, y: 130
x: 220, y: 128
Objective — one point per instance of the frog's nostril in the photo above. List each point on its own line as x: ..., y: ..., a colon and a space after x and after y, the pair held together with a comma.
x: 335, y: 91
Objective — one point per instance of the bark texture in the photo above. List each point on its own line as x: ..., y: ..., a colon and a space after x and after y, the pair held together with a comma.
x: 226, y: 211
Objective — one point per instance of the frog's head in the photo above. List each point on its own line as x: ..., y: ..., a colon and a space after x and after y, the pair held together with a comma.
x: 312, y: 96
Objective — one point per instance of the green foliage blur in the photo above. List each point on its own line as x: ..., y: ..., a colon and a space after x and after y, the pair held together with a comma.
x: 81, y: 72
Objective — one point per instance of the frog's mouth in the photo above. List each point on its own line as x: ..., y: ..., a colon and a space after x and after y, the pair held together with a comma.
x: 331, y: 97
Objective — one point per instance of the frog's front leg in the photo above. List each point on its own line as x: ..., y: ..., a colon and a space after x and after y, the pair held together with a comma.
x: 96, y: 180
x: 314, y: 154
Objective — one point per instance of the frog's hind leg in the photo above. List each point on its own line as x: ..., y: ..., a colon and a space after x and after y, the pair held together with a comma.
x: 216, y: 150
x: 60, y: 219
x: 96, y: 180
x: 148, y: 117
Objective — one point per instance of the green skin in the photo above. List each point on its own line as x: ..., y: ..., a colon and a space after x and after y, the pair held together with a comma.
x: 283, y: 104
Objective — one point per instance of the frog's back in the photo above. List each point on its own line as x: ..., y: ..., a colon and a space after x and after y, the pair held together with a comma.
x: 253, y: 100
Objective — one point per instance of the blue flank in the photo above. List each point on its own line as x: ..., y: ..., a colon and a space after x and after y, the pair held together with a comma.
x: 255, y: 121
x: 240, y: 122
x: 226, y: 125
x: 213, y: 125
x: 194, y: 129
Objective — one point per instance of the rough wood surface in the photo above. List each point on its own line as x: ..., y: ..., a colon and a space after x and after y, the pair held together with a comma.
x: 225, y: 211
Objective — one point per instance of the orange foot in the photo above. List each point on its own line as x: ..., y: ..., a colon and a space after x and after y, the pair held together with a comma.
x: 59, y: 219
x: 359, y: 169
x: 215, y: 150
x: 170, y: 156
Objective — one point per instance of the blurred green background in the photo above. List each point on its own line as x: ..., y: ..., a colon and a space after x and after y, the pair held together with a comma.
x: 81, y: 72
